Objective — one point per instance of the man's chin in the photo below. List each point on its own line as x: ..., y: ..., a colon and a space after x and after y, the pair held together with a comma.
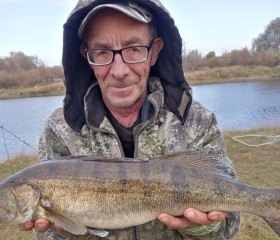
x: 124, y: 103
x: 120, y: 92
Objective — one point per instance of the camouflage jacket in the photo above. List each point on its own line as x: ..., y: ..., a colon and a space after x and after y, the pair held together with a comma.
x: 162, y: 133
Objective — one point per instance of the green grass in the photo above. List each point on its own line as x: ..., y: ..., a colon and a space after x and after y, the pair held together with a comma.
x: 255, y: 165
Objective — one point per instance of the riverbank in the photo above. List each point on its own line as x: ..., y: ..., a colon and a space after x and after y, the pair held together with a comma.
x: 255, y: 165
x: 197, y: 77
x: 52, y: 89
x: 233, y: 74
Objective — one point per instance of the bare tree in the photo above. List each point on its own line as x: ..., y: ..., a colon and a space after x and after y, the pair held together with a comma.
x: 269, y: 39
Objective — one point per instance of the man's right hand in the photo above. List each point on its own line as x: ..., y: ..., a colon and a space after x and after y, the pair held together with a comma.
x: 40, y: 225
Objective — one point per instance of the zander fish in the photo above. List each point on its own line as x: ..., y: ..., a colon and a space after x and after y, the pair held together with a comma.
x: 78, y: 193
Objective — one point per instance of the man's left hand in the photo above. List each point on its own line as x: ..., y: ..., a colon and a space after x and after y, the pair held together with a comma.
x: 192, y: 216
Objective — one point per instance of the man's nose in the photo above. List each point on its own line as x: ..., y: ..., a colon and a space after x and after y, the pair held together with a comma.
x: 119, y: 68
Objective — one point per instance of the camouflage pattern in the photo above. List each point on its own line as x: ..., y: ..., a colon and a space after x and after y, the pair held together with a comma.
x: 162, y: 134
x: 84, y: 3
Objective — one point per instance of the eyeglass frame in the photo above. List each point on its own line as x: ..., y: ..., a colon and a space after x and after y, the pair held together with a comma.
x: 120, y: 52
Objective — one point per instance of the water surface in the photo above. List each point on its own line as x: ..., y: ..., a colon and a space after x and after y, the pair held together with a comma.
x: 242, y: 106
x: 238, y: 106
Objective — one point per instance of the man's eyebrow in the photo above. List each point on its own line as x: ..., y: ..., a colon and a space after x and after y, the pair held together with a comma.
x: 134, y: 41
x: 125, y: 43
x: 100, y: 45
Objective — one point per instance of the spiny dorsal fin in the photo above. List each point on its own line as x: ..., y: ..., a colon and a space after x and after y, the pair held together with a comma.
x: 99, y: 159
x: 194, y: 159
x: 114, y: 160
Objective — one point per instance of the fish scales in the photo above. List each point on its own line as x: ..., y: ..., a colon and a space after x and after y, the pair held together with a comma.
x: 118, y: 193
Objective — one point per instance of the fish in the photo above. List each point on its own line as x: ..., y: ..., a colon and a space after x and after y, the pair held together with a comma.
x: 85, y: 193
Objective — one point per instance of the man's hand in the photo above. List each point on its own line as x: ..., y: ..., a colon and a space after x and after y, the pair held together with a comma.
x: 40, y: 225
x: 192, y: 216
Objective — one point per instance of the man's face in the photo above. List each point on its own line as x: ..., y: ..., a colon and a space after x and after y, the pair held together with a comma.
x: 122, y: 85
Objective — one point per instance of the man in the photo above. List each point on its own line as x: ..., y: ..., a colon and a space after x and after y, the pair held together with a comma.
x: 126, y: 95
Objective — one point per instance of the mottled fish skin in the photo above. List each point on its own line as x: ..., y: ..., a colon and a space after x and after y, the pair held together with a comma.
x: 80, y: 192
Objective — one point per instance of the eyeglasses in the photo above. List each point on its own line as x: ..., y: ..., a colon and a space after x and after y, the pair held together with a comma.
x: 133, y: 54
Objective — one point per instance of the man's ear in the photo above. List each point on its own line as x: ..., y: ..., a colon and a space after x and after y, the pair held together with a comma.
x: 82, y: 51
x: 156, y: 48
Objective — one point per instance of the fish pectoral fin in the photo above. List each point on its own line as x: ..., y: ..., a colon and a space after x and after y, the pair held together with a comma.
x: 67, y: 223
x: 98, y: 232
x: 274, y: 224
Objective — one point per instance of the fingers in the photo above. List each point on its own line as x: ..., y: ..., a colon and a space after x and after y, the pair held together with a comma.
x: 40, y: 225
x: 28, y: 226
x: 58, y: 228
x: 204, y: 218
x: 43, y: 224
x: 198, y: 217
x: 192, y: 216
x: 217, y: 216
x: 173, y: 222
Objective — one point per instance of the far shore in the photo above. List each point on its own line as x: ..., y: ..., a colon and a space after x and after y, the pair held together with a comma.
x: 57, y: 89
x: 194, y: 77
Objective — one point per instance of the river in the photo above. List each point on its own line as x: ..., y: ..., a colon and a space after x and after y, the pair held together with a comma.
x: 238, y: 106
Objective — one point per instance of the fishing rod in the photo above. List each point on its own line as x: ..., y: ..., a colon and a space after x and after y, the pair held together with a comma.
x: 14, y: 135
x: 6, y: 148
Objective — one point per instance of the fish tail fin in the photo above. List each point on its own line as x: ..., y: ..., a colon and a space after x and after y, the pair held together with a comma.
x: 274, y: 224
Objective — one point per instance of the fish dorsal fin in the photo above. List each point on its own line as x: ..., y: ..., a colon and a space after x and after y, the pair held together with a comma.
x: 99, y: 159
x: 195, y: 159
x: 113, y: 160
x: 67, y: 223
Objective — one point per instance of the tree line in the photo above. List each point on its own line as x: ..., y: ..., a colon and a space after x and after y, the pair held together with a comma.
x: 19, y: 70
x: 265, y: 51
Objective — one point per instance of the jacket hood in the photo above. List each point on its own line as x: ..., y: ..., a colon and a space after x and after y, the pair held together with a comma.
x: 79, y: 76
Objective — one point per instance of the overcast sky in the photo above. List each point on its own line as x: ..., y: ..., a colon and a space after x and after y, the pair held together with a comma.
x: 35, y: 26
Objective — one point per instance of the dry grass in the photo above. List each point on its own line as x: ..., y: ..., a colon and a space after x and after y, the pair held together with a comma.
x: 52, y: 89
x: 195, y: 77
x: 255, y: 165
x: 258, y: 166
x: 11, y: 232
x: 232, y: 74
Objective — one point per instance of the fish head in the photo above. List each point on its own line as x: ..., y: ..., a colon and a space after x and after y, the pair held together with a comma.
x: 18, y: 202
x: 27, y: 198
x: 8, y: 205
